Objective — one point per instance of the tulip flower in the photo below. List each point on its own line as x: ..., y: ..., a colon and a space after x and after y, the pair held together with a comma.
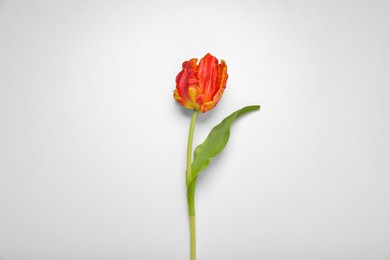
x: 200, y: 87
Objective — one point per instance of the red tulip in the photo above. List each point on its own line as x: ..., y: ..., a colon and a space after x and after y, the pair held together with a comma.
x: 201, y: 86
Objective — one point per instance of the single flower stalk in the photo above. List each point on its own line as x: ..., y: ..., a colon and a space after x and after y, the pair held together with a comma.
x: 200, y: 87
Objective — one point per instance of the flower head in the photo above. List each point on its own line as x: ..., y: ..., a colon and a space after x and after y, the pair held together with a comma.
x: 200, y: 86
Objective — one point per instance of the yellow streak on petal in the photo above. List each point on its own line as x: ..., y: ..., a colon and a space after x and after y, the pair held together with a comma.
x: 207, y: 106
x: 176, y: 95
x: 192, y: 93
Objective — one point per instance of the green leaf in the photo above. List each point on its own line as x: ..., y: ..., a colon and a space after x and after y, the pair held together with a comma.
x: 215, y: 141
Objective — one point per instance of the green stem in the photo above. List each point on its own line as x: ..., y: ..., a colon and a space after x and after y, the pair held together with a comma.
x: 193, y: 238
x: 189, y: 147
x: 191, y: 188
x: 191, y: 212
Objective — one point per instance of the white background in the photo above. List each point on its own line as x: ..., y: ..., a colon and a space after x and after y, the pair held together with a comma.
x: 92, y: 144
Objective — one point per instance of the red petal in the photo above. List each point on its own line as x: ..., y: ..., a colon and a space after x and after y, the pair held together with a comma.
x: 186, y: 78
x: 208, y: 75
x: 220, y: 88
